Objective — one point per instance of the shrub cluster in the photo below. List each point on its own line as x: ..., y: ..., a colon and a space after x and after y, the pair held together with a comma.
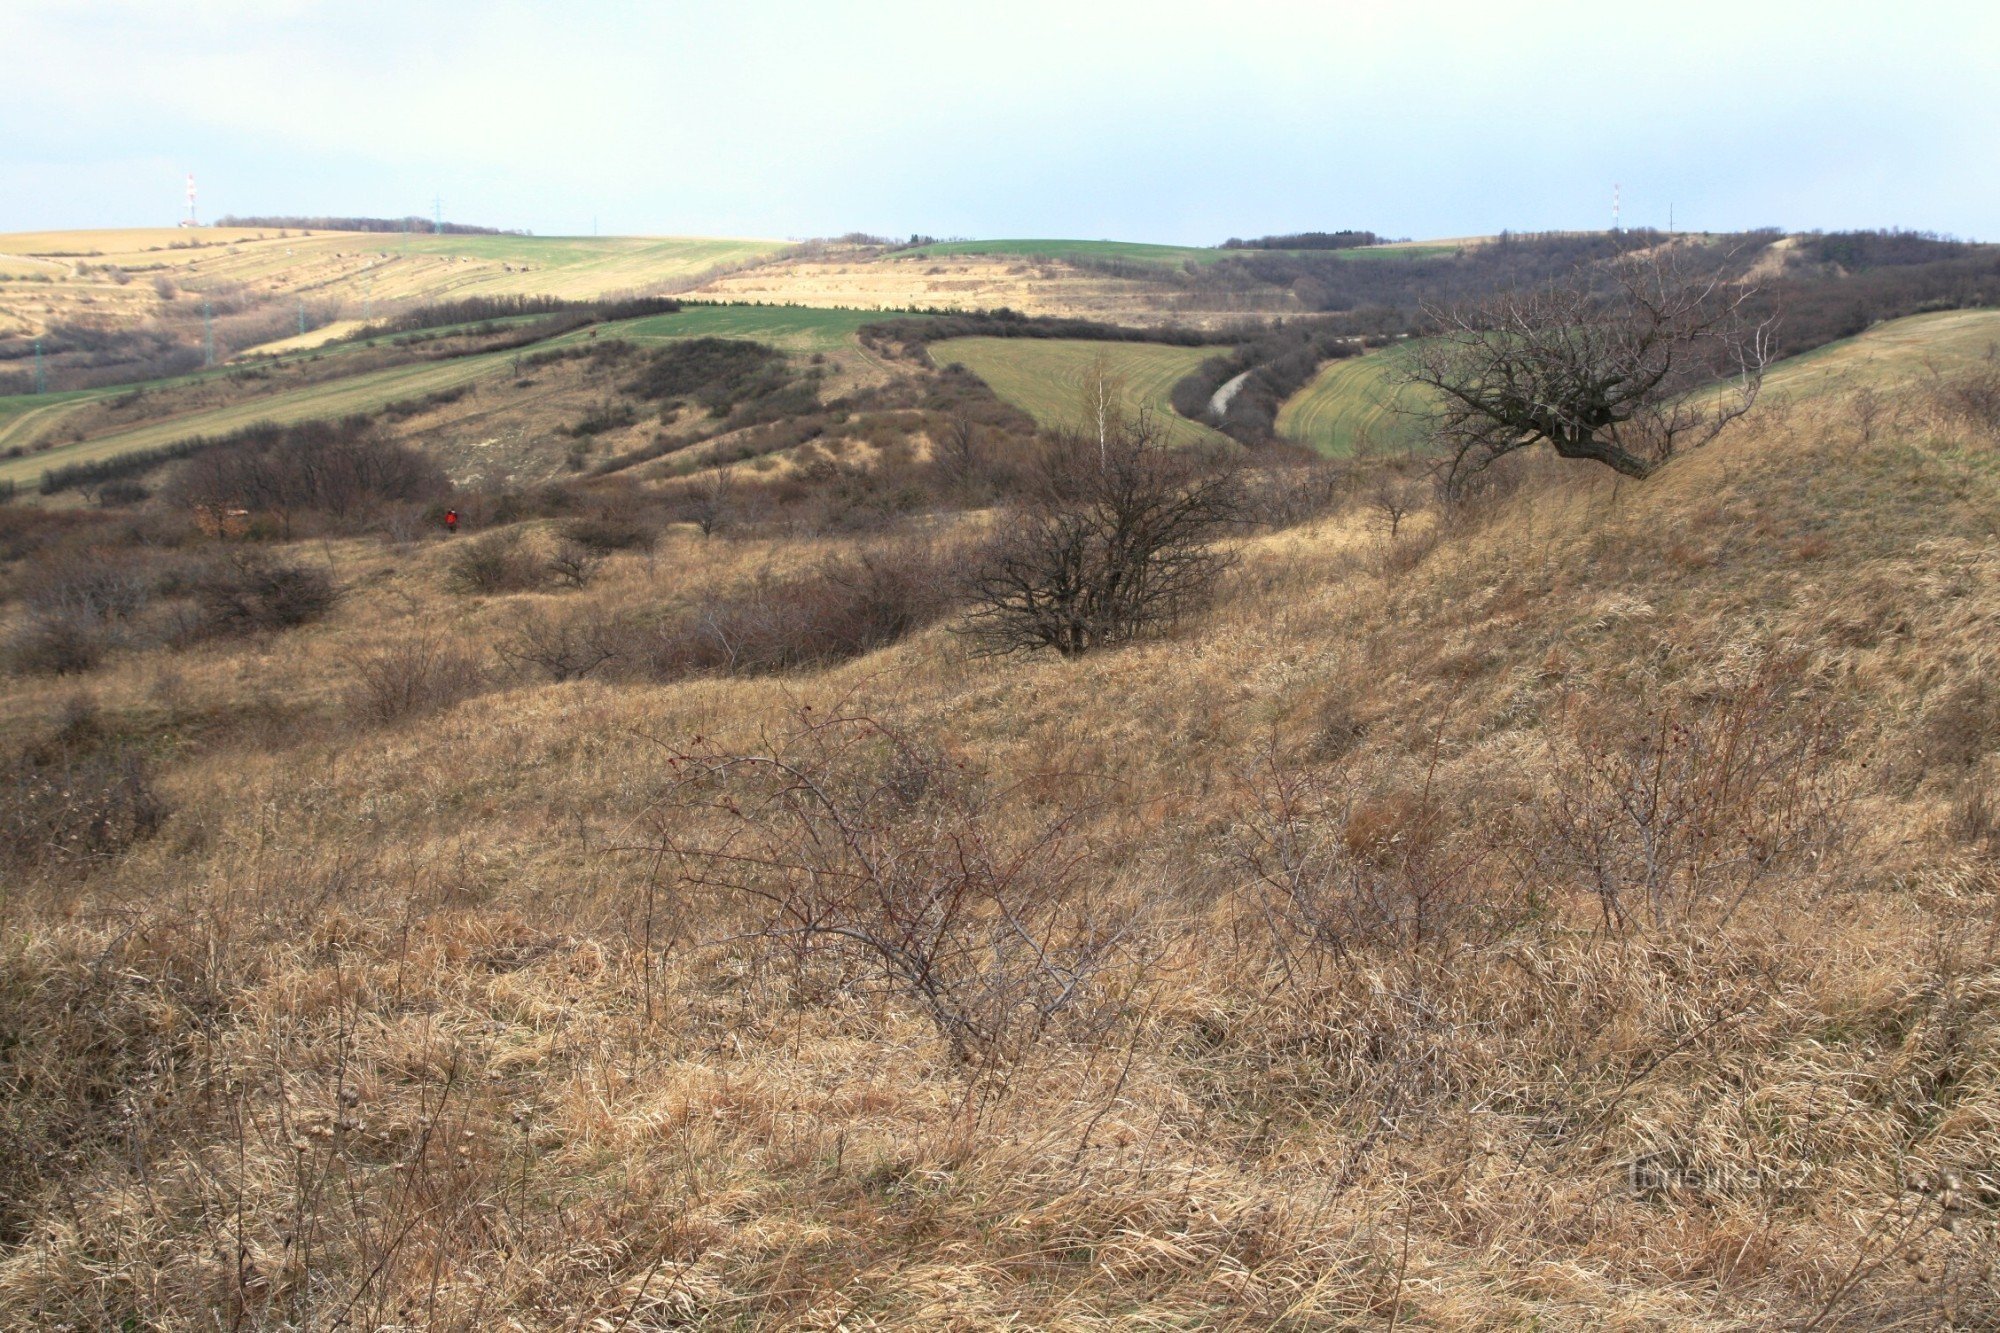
x: 343, y: 471
x: 74, y: 798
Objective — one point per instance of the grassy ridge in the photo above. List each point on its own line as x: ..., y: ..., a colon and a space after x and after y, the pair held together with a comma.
x: 1893, y: 351
x: 1044, y: 377
x: 383, y: 266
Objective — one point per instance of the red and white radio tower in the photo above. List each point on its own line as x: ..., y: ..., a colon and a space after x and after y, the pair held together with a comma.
x: 189, y: 221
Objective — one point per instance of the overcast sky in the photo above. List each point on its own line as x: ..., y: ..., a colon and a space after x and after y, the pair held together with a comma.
x: 1168, y: 121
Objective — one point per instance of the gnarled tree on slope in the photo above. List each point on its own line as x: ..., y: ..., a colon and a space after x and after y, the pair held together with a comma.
x: 1627, y: 372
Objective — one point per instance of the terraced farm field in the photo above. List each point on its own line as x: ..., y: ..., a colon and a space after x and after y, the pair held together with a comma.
x: 1350, y: 403
x: 1163, y: 254
x: 1058, y: 249
x: 49, y: 276
x: 338, y: 398
x: 25, y: 418
x: 1044, y: 376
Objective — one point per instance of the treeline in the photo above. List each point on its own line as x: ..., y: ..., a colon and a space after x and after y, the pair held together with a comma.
x: 1306, y: 240
x: 910, y: 335
x: 1888, y: 248
x: 130, y: 464
x: 481, y: 309
x: 1812, y: 310
x: 1403, y: 281
x: 412, y: 223
x: 1277, y: 363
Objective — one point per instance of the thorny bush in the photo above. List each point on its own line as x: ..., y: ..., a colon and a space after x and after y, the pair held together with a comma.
x: 866, y: 859
x: 1338, y: 867
x: 1675, y: 812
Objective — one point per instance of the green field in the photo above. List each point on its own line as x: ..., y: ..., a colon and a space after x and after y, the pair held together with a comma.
x: 1351, y: 402
x: 1044, y: 376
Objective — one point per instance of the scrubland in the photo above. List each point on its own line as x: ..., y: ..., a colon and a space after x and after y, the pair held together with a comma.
x: 1576, y: 910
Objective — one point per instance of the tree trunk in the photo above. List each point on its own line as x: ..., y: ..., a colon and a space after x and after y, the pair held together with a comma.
x: 1608, y: 454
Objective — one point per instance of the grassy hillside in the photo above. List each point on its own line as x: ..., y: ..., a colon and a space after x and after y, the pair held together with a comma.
x: 1044, y: 376
x: 335, y: 398
x: 1574, y: 913
x: 386, y: 266
x: 1893, y: 352
x: 24, y: 419
x: 1350, y: 400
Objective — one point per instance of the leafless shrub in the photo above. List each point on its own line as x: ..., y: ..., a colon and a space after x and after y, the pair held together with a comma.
x: 74, y: 799
x: 248, y: 591
x: 1594, y: 376
x: 1294, y: 492
x: 419, y: 675
x: 573, y: 564
x: 1338, y: 868
x: 865, y: 858
x: 77, y: 605
x: 58, y: 643
x: 1677, y: 813
x: 612, y: 531
x: 712, y: 500
x: 98, y: 585
x: 846, y: 607
x: 561, y: 648
x: 1118, y: 541
x: 1973, y: 394
x: 499, y: 562
x: 1394, y: 498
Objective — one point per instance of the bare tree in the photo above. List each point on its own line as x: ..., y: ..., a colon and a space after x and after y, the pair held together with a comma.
x: 1103, y: 551
x: 959, y: 455
x: 1394, y: 499
x: 1103, y: 402
x: 714, y: 500
x: 1618, y: 377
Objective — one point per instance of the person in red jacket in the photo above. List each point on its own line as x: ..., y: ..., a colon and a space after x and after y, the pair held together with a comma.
x: 451, y: 520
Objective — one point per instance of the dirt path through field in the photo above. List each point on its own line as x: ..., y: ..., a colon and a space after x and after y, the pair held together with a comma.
x: 1219, y: 403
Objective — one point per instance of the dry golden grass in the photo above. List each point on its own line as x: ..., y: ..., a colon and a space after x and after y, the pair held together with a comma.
x: 390, y: 1027
x: 978, y: 282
